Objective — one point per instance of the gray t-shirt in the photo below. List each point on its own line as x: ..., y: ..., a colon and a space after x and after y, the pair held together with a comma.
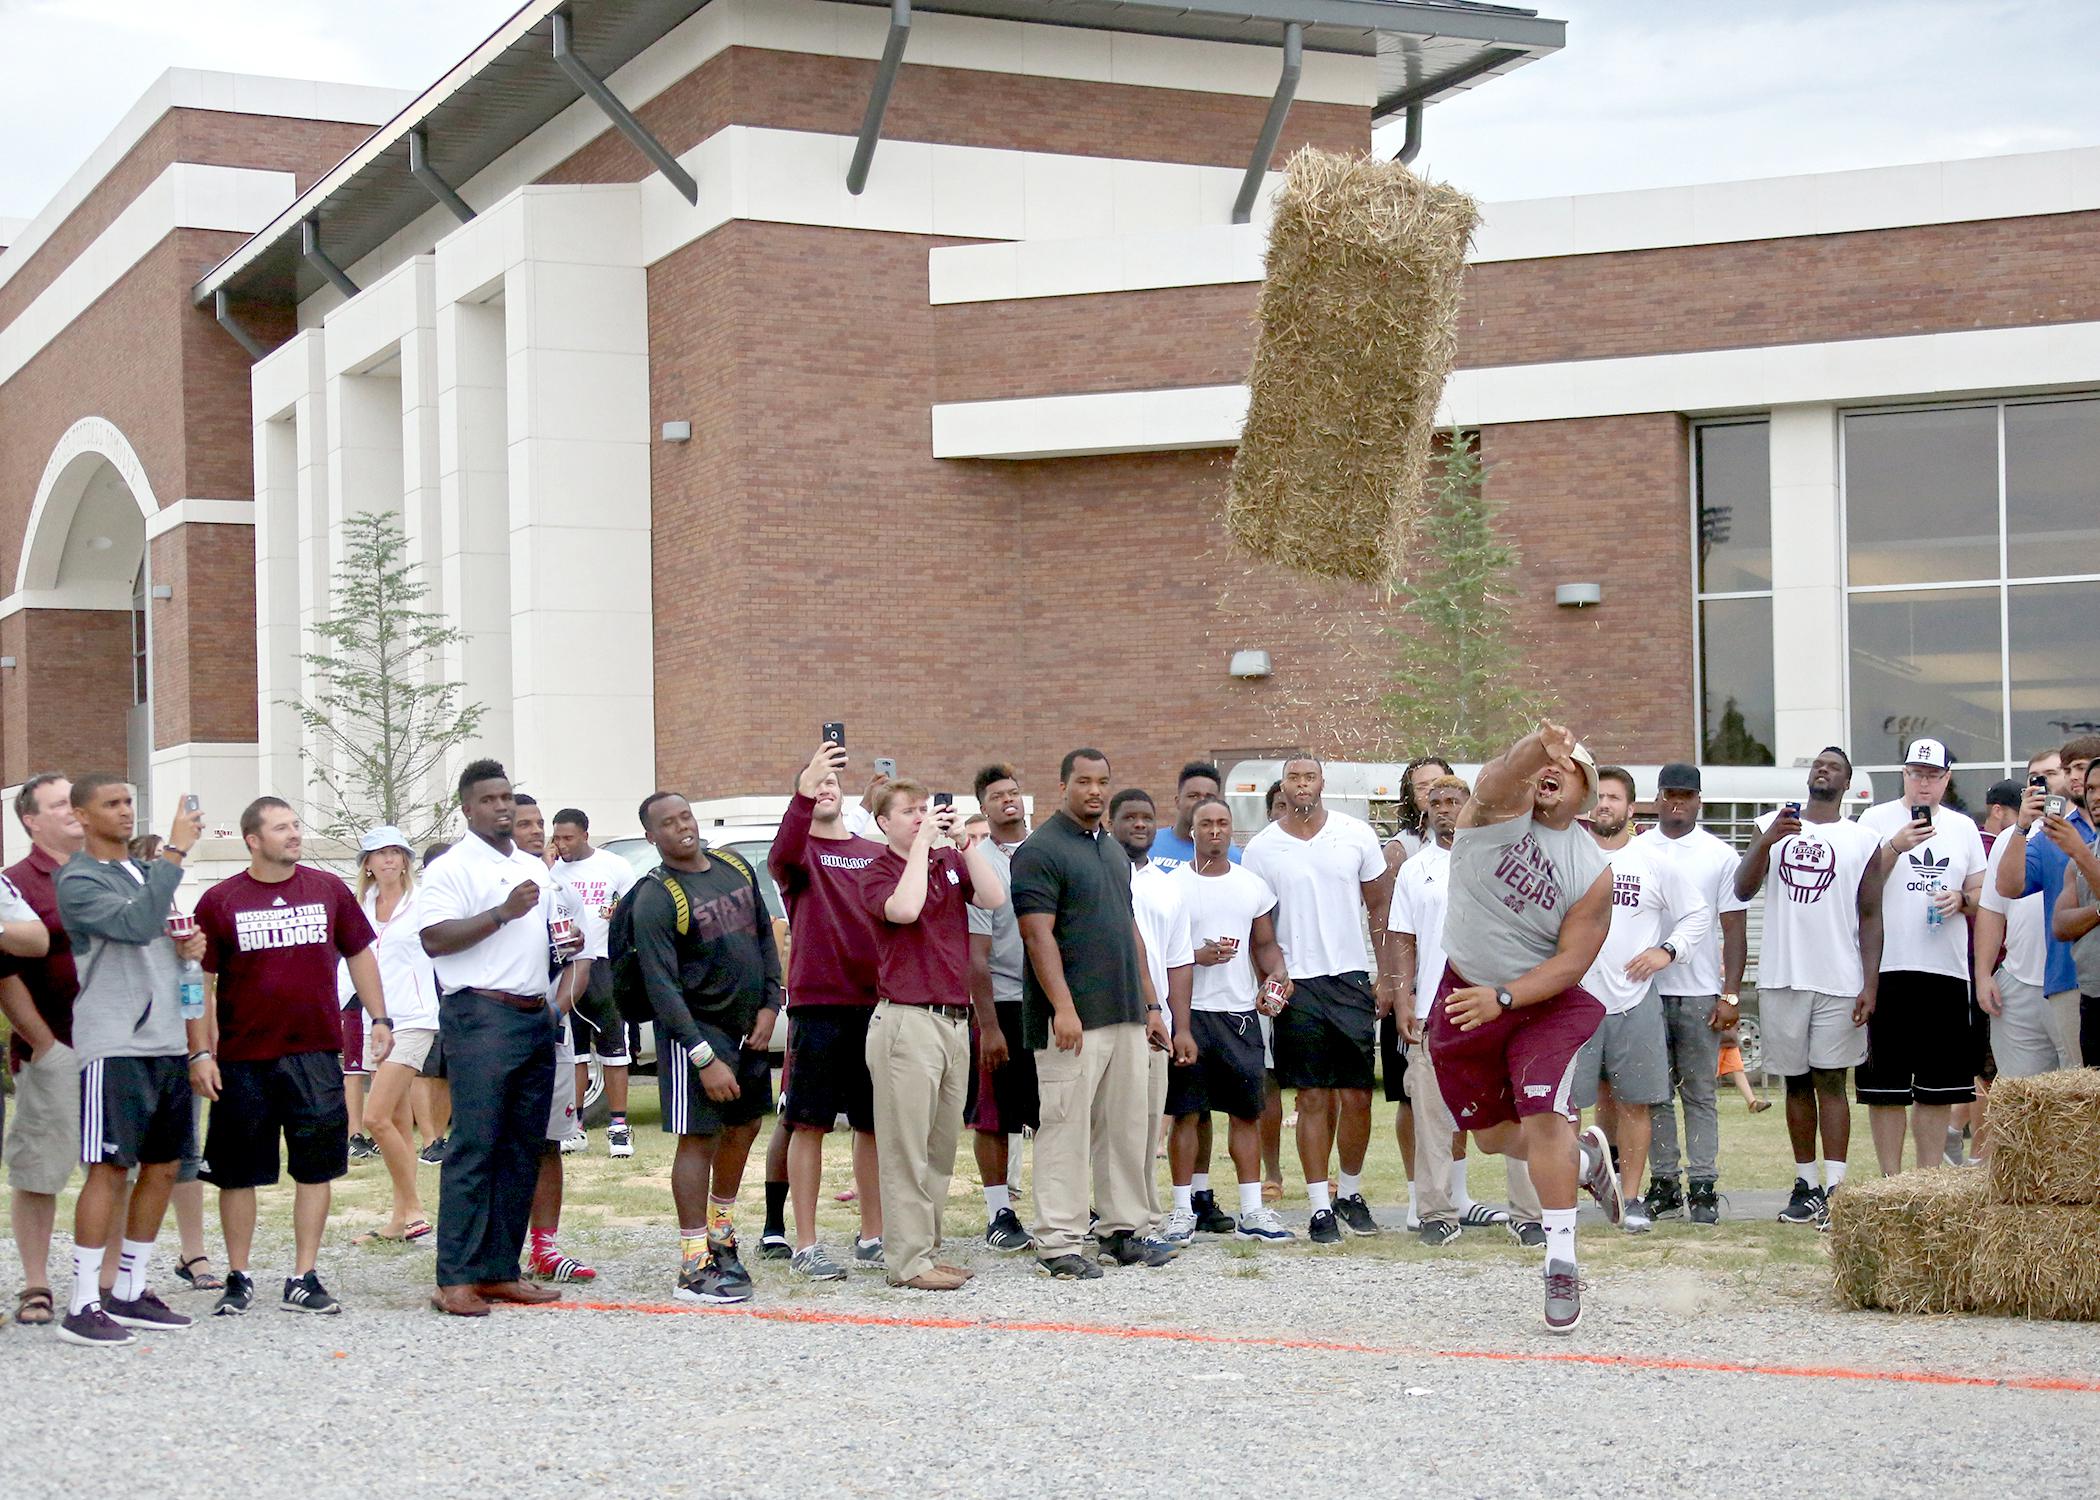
x: 1511, y: 885
x: 1004, y: 928
x: 2085, y: 953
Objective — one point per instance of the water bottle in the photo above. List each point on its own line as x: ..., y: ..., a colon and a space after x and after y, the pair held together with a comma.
x: 1933, y: 919
x: 192, y: 990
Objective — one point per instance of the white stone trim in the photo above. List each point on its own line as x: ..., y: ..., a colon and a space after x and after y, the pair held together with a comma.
x: 1103, y: 422
x: 58, y: 495
x: 194, y: 88
x: 196, y: 512
x: 185, y: 196
x: 1209, y: 255
x: 98, y: 595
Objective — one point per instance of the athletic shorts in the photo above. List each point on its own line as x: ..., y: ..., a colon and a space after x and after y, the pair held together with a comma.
x: 1632, y: 1049
x: 827, y: 1061
x: 1326, y: 1038
x: 1227, y: 1072
x: 600, y: 1029
x: 136, y: 1111
x: 1392, y: 1061
x: 412, y: 1047
x: 2022, y: 1042
x: 688, y: 1110
x: 562, y: 1118
x: 298, y: 1097
x: 1002, y: 1102
x: 354, y: 1039
x: 43, y: 1137
x: 1803, y: 1030
x: 1521, y: 1063
x: 1919, y: 1045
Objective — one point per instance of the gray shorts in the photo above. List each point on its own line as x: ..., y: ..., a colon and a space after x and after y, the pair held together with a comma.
x: 1802, y: 1030
x: 43, y: 1135
x: 2023, y: 1036
x: 1632, y: 1049
x: 562, y: 1118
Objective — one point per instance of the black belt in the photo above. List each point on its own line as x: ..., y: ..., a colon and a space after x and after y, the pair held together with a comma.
x: 945, y: 1012
x: 524, y: 1003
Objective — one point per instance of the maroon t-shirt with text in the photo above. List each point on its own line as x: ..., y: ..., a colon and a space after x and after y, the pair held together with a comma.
x: 274, y: 948
x: 831, y: 940
x: 926, y: 962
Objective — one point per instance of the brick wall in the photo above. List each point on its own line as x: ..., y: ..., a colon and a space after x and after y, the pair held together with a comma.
x: 1111, y: 341
x: 204, y: 635
x: 65, y: 705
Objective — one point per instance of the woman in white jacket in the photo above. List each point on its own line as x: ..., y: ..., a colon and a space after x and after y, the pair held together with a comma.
x: 386, y: 888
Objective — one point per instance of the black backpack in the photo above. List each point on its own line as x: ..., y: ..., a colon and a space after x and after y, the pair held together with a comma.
x: 629, y: 992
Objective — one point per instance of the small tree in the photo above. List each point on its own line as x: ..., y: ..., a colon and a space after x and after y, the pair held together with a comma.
x: 381, y: 723
x: 1462, y: 687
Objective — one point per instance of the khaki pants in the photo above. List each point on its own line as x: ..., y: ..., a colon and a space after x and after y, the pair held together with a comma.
x: 1433, y: 1164
x: 919, y: 1064
x: 1095, y: 1134
x: 1156, y: 1100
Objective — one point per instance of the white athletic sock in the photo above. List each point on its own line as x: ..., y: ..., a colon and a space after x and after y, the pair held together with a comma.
x: 1460, y: 1198
x: 1316, y: 1195
x: 1199, y: 1182
x: 1808, y: 1172
x: 131, y: 1270
x: 1411, y: 1205
x: 1250, y: 1197
x: 1183, y: 1193
x: 87, y: 1277
x: 1560, y: 1233
x: 997, y: 1200
x: 1349, y: 1185
x: 1833, y: 1173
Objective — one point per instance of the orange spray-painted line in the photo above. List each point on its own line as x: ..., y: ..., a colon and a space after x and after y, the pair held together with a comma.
x: 823, y: 1317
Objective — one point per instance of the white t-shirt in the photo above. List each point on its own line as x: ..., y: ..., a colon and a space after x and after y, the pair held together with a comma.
x: 1319, y: 892
x: 406, y: 977
x: 2026, y: 936
x: 1708, y: 863
x: 1163, y: 922
x: 1811, y: 937
x: 470, y: 879
x: 1225, y: 906
x: 1950, y: 857
x: 594, y: 886
x: 1420, y: 893
x: 1650, y: 900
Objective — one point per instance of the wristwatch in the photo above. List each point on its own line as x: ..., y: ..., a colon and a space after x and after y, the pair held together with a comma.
x: 1152, y: 1010
x: 1668, y: 947
x: 386, y: 1021
x: 1504, y: 998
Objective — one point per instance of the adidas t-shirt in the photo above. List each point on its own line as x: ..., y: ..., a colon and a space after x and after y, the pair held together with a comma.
x: 1950, y: 857
x: 594, y: 886
x: 1225, y: 906
x: 1811, y: 936
x: 274, y: 948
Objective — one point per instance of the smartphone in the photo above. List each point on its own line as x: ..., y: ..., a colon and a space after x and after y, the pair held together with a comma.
x: 1921, y: 814
x: 190, y: 803
x: 835, y: 734
x: 2055, y: 806
x: 944, y: 799
x: 886, y: 766
x: 2038, y: 783
x: 1793, y: 809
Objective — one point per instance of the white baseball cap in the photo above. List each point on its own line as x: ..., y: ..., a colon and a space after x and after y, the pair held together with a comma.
x: 1927, y: 753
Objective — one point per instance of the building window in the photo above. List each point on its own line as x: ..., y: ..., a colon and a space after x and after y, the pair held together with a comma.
x: 1972, y: 571
x: 1732, y: 580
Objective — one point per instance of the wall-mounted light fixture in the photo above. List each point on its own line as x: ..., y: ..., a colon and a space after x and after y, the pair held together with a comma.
x: 164, y: 591
x: 1578, y: 595
x: 7, y: 663
x: 678, y: 432
x: 1250, y: 665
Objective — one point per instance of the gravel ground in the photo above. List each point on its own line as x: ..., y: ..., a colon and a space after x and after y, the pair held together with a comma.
x: 1247, y: 1368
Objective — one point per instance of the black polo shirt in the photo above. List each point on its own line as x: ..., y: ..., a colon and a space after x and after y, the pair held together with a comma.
x: 1083, y: 881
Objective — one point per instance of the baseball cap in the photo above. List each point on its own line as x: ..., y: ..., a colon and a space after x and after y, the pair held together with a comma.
x: 1928, y: 753
x: 2006, y: 793
x: 1677, y: 776
x: 386, y: 836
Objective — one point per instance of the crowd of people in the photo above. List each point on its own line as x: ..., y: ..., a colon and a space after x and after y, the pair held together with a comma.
x: 1103, y: 983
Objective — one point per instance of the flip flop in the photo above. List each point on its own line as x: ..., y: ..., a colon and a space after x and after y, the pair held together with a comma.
x: 198, y: 1281
x: 374, y: 1237
x: 33, y: 1306
x: 420, y: 1229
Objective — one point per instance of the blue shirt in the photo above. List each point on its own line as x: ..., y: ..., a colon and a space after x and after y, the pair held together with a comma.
x: 1170, y: 851
x: 2046, y: 865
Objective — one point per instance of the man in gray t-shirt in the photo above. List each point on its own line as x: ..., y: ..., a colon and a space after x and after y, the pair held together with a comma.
x: 1003, y: 1094
x: 1529, y: 908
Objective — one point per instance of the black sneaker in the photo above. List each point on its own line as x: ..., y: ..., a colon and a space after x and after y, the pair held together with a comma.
x: 305, y: 1294
x: 773, y: 1245
x: 1529, y: 1233
x: 145, y: 1311
x: 1663, y: 1199
x: 1069, y: 1268
x: 1804, y: 1207
x: 1705, y: 1202
x: 1123, y: 1248
x: 238, y: 1297
x: 1005, y: 1234
x: 363, y: 1148
x: 95, y: 1329
x: 1355, y: 1214
x: 701, y: 1280
x: 1437, y: 1233
x: 1823, y: 1208
x: 433, y: 1155
x: 1324, y: 1229
x: 722, y: 1253
x: 1210, y: 1219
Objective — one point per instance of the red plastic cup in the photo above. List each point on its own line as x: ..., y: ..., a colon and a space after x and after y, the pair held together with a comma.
x: 181, y: 926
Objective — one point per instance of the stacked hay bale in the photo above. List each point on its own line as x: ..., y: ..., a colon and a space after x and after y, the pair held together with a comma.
x: 2021, y: 1240
x: 1359, y: 327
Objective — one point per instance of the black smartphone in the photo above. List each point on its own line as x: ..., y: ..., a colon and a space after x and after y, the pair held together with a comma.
x: 944, y: 799
x: 2038, y: 783
x: 1793, y: 809
x: 835, y: 734
x: 1921, y: 814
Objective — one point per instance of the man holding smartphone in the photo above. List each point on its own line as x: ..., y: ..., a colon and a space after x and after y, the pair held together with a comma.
x: 2038, y: 864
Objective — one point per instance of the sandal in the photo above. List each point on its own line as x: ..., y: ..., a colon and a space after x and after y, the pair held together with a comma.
x: 33, y: 1306
x: 199, y: 1281
x: 421, y: 1229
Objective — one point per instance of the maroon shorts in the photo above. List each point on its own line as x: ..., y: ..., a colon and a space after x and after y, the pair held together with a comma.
x: 354, y: 1039
x: 1521, y: 1063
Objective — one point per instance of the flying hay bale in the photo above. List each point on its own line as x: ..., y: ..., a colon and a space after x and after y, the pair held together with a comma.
x: 2045, y: 1138
x: 1359, y: 326
x: 2037, y: 1262
x: 1907, y: 1243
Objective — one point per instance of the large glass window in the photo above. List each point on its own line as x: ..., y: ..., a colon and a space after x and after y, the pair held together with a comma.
x: 1925, y: 665
x: 1732, y: 519
x: 1921, y: 495
x: 2052, y: 489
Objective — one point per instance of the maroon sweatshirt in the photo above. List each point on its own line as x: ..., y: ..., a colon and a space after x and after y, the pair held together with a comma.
x: 831, y: 938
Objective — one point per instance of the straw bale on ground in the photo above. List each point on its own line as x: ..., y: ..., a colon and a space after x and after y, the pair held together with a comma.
x: 2037, y: 1261
x: 1907, y: 1243
x: 2045, y: 1138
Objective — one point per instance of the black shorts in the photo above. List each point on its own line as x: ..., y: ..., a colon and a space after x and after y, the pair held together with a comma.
x: 299, y: 1097
x: 1392, y: 1061
x: 136, y: 1111
x: 600, y: 1030
x: 1227, y: 1073
x: 688, y: 1110
x: 1920, y: 1048
x: 826, y: 1074
x: 1006, y: 1101
x: 1326, y: 1037
x: 434, y: 1063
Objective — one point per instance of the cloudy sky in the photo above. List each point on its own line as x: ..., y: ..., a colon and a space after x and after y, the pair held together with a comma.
x: 1648, y: 92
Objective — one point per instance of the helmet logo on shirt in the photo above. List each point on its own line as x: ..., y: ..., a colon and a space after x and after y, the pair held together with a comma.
x: 1806, y: 868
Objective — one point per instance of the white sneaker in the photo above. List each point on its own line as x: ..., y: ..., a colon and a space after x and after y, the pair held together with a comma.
x: 1263, y: 1223
x: 619, y: 1140
x: 572, y: 1145
x: 1179, y: 1227
x: 1634, y: 1217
